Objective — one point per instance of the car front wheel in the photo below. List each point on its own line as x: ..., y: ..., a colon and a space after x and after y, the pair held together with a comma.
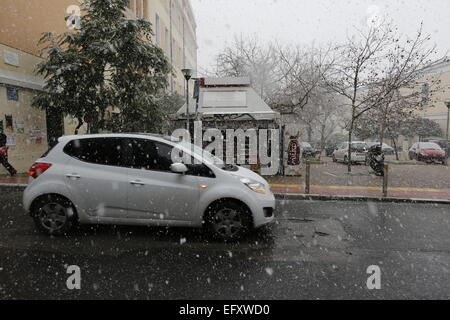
x: 53, y: 215
x: 228, y: 220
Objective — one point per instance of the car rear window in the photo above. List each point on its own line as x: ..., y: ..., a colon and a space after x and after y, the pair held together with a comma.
x: 103, y: 151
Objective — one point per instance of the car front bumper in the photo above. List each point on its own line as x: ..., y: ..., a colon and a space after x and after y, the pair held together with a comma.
x: 263, y: 209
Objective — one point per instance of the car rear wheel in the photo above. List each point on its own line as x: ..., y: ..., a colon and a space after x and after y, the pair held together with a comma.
x: 228, y: 220
x: 54, y: 215
x: 334, y: 158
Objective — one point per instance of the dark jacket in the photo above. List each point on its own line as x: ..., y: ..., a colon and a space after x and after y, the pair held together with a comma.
x: 2, y: 140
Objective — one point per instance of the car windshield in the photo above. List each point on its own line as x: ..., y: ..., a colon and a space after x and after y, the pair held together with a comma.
x: 204, y: 155
x: 359, y: 145
x: 200, y: 153
x: 306, y: 145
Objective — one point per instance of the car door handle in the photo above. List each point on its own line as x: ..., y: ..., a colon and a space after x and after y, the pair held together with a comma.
x: 137, y: 183
x: 73, y: 176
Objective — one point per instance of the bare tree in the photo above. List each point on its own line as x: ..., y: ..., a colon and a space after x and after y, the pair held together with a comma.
x: 301, y: 72
x: 329, y: 114
x: 249, y: 57
x: 285, y: 76
x: 372, y: 67
x: 406, y: 61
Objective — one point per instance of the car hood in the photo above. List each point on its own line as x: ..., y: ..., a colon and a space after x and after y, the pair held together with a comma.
x: 249, y: 174
x: 432, y: 152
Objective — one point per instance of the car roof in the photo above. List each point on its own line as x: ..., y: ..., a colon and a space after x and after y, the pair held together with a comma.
x: 428, y: 143
x: 157, y: 137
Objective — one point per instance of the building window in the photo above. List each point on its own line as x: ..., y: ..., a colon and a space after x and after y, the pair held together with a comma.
x: 167, y: 40
x: 132, y: 5
x: 139, y: 8
x: 12, y: 94
x: 425, y: 93
x: 157, y: 30
x: 9, y: 121
x: 145, y: 8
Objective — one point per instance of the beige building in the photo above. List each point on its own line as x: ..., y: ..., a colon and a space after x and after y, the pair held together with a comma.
x: 22, y: 23
x: 25, y: 126
x: 175, y: 28
x: 438, y: 94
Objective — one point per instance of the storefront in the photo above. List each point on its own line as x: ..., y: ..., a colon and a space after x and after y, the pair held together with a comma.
x: 232, y: 104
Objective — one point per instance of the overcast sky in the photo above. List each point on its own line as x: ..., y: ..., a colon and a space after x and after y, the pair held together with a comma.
x: 305, y: 21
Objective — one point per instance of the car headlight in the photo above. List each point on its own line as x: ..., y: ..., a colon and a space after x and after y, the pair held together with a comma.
x: 254, y: 185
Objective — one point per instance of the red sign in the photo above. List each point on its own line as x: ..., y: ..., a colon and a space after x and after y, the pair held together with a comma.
x: 293, y: 153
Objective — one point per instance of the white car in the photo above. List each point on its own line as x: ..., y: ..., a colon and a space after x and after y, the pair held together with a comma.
x: 130, y: 179
x: 387, y: 149
x: 358, y: 152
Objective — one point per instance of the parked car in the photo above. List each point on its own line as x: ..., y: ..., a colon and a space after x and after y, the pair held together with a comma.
x: 387, y: 149
x: 358, y: 152
x: 444, y: 144
x: 130, y: 179
x: 329, y: 149
x: 427, y: 152
x: 307, y: 150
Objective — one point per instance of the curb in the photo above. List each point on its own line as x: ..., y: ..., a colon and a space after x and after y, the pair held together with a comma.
x: 311, y: 197
x: 12, y: 186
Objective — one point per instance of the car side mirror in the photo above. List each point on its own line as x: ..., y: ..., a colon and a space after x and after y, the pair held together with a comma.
x: 179, y: 168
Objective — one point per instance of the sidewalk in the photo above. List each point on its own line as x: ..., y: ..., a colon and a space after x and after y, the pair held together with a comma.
x: 357, y: 191
x: 412, y: 181
x: 16, y: 180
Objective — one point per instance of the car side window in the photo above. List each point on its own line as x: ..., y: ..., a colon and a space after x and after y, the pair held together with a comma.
x: 157, y: 156
x: 142, y: 154
x: 101, y: 151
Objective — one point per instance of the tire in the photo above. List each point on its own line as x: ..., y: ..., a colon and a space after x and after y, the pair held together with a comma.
x: 54, y: 215
x: 334, y: 158
x: 228, y: 220
x: 345, y: 160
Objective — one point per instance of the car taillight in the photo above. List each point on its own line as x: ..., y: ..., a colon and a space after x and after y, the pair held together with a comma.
x: 38, y: 168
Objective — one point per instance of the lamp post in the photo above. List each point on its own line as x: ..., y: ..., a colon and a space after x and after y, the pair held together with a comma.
x: 447, y: 149
x: 187, y: 75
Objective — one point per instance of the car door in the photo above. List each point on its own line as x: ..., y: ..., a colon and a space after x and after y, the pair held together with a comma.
x: 336, y: 151
x: 97, y: 177
x: 342, y: 151
x: 154, y: 191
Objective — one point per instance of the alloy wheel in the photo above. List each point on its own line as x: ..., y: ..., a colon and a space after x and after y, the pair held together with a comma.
x: 53, y: 216
x: 227, y: 223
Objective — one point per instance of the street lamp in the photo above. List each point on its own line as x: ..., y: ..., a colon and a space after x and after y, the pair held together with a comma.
x: 187, y: 75
x: 448, y: 125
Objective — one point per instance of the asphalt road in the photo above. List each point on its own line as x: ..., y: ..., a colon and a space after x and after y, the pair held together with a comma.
x: 316, y: 250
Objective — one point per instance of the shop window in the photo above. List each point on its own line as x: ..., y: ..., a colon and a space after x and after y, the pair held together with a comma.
x: 9, y: 121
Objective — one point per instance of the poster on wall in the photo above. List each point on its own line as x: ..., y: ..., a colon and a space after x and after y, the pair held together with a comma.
x: 11, y: 141
x: 292, y: 151
x: 20, y: 126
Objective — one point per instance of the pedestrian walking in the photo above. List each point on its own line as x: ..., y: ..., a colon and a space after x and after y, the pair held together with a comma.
x: 4, y: 155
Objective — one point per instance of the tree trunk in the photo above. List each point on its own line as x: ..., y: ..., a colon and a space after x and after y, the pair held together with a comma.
x: 383, y: 128
x: 80, y: 124
x: 309, y: 133
x: 349, y: 154
x: 394, y: 142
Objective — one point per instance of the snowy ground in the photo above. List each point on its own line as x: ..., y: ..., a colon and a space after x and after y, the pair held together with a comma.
x: 315, y: 250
